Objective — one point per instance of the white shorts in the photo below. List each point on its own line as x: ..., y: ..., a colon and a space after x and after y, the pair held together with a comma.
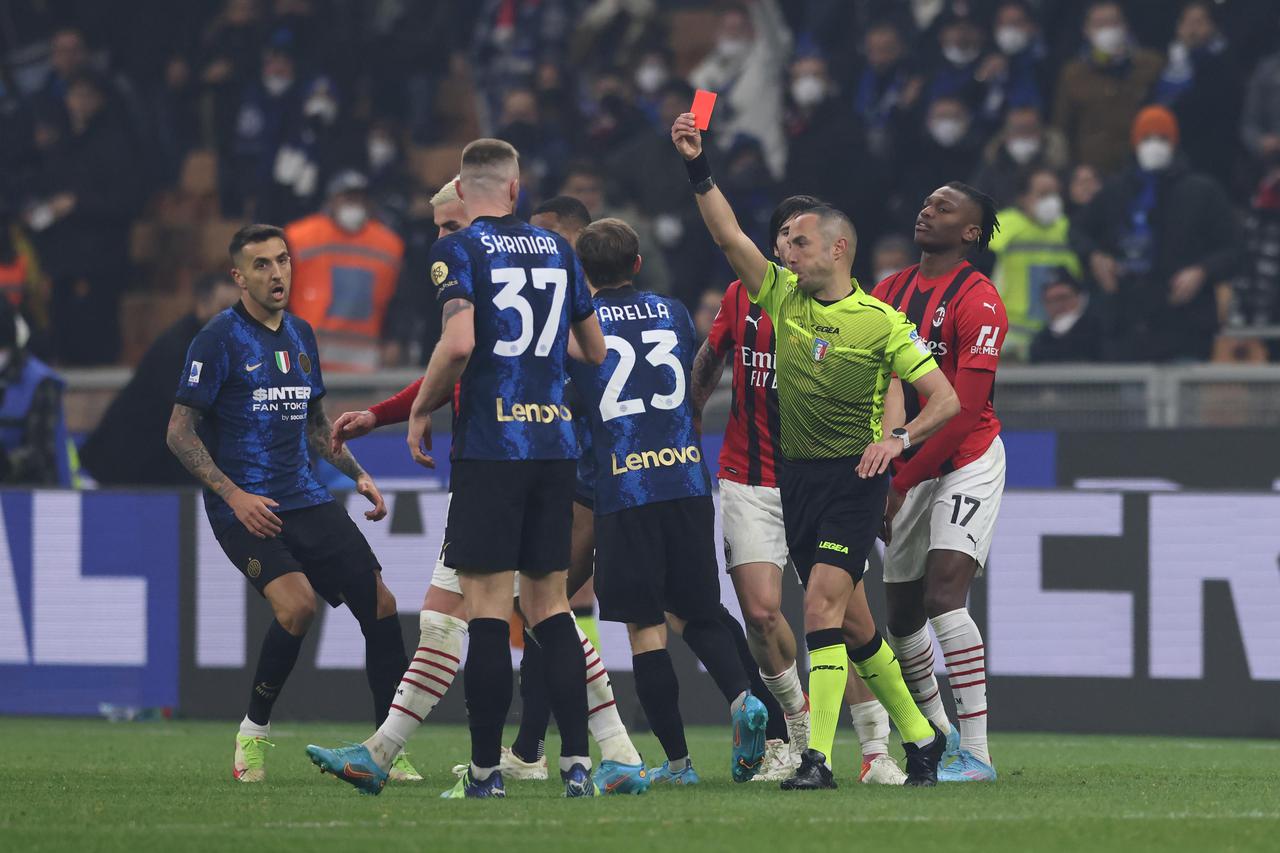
x: 753, y: 527
x: 954, y: 512
x: 446, y: 578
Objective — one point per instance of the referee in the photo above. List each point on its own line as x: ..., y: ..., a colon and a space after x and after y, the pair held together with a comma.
x: 837, y: 349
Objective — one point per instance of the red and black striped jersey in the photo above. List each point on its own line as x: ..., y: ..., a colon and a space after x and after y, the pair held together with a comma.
x: 751, y: 438
x: 961, y: 317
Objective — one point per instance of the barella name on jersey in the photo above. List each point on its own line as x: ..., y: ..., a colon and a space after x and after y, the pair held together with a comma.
x: 288, y: 398
x: 528, y: 245
x: 643, y: 311
x: 664, y: 458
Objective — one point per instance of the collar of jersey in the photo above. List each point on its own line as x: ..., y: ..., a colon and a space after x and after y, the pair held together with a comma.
x: 509, y: 219
x: 857, y: 288
x: 244, y: 312
x: 615, y: 292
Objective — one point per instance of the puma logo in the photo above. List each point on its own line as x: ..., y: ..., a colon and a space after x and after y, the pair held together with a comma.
x: 754, y: 321
x: 969, y: 536
x: 990, y: 305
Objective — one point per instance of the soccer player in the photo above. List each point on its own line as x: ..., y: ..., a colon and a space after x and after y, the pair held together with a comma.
x: 253, y: 387
x: 945, y: 496
x: 443, y: 617
x: 654, y: 519
x: 754, y: 535
x: 833, y: 362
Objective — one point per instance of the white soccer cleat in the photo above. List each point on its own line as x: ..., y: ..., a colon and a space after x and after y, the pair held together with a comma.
x: 512, y: 767
x: 779, y: 762
x: 798, y: 730
x: 881, y: 770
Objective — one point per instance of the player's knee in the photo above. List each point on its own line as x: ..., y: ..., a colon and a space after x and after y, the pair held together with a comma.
x: 942, y: 598
x: 762, y: 618
x: 296, y: 614
x: 386, y: 602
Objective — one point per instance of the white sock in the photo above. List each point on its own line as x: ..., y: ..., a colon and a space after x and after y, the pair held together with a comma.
x: 434, y: 666
x: 871, y: 721
x: 915, y: 656
x: 966, y: 660
x: 249, y: 728
x: 567, y: 762
x: 481, y: 773
x: 603, y: 720
x: 785, y: 687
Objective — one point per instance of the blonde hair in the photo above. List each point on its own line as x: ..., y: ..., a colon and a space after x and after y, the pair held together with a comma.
x: 447, y: 194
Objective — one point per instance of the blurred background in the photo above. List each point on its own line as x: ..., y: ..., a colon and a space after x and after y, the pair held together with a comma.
x: 1133, y: 148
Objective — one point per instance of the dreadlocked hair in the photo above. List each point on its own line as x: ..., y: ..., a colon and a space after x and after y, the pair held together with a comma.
x: 990, y: 222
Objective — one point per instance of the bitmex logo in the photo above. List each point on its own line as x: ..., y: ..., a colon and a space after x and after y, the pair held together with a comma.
x: 664, y: 458
x: 537, y: 413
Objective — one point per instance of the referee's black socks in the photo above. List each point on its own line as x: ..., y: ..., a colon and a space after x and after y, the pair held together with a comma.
x: 565, y: 676
x: 487, y: 685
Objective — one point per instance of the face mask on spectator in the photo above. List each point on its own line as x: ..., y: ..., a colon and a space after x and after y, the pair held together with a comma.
x: 1022, y: 148
x: 1012, y: 40
x: 1063, y: 323
x: 381, y: 152
x: 350, y: 217
x: 1109, y: 40
x: 650, y: 77
x: 732, y: 47
x: 957, y: 55
x: 808, y: 90
x: 276, y: 84
x: 321, y: 106
x: 1047, y: 210
x: 1154, y: 154
x: 947, y: 131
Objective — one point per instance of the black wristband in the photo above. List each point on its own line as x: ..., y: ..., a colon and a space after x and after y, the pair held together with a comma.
x: 699, y: 169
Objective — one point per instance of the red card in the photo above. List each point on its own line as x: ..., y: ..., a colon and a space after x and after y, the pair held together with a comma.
x: 703, y: 103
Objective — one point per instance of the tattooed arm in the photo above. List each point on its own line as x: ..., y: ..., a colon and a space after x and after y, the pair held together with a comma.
x: 707, y: 368
x: 319, y: 432
x: 448, y: 361
x: 253, y: 511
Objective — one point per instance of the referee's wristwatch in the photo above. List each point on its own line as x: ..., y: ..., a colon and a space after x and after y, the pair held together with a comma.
x: 902, y: 434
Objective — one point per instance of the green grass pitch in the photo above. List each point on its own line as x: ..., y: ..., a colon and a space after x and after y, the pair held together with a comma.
x: 87, y: 785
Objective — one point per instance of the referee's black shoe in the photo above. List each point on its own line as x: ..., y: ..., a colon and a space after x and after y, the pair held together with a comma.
x: 813, y: 774
x: 923, y: 761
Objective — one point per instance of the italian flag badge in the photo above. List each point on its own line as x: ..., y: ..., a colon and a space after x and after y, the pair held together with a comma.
x: 282, y: 360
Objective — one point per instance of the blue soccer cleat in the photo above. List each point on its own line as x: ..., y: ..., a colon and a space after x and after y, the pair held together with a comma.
x: 468, y: 788
x: 352, y: 764
x: 749, y: 721
x: 953, y: 744
x: 613, y: 777
x: 664, y: 775
x: 578, y: 782
x: 967, y: 768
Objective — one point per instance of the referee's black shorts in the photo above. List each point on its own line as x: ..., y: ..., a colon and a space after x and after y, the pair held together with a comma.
x: 831, y: 514
x: 321, y: 542
x: 510, y: 516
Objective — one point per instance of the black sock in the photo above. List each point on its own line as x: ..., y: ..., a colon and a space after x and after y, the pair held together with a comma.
x: 487, y: 685
x: 777, y: 727
x: 530, y: 742
x: 275, y: 662
x: 384, y: 663
x: 712, y: 642
x: 659, y: 694
x: 565, y: 677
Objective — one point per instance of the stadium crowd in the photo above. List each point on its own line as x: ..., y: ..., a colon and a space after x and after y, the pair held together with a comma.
x: 1133, y: 147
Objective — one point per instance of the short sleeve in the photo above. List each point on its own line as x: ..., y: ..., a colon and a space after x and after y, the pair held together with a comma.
x: 204, y: 371
x: 772, y: 290
x: 720, y: 338
x: 981, y: 327
x: 316, y: 376
x: 580, y: 306
x: 907, y: 354
x: 451, y: 271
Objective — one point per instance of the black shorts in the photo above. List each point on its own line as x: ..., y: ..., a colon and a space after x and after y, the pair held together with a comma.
x: 831, y: 514
x: 320, y: 541
x: 658, y: 558
x: 510, y: 516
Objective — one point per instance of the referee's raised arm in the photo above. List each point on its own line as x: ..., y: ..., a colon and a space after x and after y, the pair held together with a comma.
x: 747, y: 261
